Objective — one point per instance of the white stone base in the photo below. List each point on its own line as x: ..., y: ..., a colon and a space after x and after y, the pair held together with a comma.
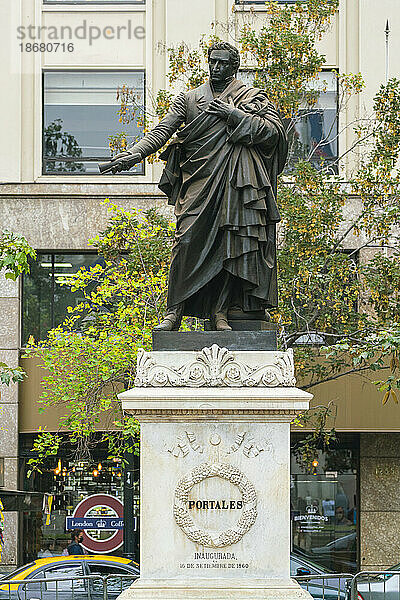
x: 215, y: 589
x: 215, y: 478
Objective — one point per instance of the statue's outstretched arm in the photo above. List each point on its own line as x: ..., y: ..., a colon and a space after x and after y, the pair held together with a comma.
x: 157, y: 137
x: 154, y: 139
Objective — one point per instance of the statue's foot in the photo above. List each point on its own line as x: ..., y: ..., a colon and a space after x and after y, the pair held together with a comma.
x: 171, y: 322
x: 221, y: 322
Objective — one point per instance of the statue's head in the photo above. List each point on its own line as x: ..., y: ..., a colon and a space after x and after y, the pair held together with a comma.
x: 223, y: 61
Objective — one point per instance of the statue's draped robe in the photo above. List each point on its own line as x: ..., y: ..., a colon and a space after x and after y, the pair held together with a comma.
x: 221, y: 177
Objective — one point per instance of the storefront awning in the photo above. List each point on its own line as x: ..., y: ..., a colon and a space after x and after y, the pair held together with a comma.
x: 17, y: 500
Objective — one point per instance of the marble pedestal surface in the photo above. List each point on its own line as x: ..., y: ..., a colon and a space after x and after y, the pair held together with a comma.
x: 215, y: 511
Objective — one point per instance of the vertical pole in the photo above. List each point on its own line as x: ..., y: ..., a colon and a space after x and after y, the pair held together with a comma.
x: 129, y: 534
x: 387, y: 31
x: 131, y: 517
x: 353, y: 589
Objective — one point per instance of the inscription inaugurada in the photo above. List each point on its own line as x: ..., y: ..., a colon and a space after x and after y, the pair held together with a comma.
x: 214, y: 555
x: 214, y: 558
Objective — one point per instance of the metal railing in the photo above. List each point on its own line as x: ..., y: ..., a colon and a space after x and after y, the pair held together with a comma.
x: 80, y: 587
x: 326, y: 586
x: 375, y: 585
x: 366, y: 585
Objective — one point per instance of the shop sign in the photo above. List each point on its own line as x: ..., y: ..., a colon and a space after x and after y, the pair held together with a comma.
x: 104, y: 523
x: 311, y: 521
x: 109, y: 518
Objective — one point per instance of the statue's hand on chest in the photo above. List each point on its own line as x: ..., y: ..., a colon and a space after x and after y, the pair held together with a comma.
x: 220, y: 109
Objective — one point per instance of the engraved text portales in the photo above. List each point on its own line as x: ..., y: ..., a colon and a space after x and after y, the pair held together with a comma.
x: 185, y: 521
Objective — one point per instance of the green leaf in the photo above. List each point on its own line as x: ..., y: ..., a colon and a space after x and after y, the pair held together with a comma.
x: 9, y: 275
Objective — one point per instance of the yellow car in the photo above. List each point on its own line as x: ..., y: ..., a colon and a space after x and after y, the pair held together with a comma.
x: 82, y: 577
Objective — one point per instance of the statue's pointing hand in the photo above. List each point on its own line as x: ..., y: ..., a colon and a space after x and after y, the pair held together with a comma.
x: 126, y: 160
x: 220, y: 109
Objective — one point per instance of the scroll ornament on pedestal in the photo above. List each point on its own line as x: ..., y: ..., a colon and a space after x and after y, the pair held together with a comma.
x: 215, y: 367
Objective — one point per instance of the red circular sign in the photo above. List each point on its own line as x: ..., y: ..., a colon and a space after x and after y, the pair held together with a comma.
x: 113, y: 542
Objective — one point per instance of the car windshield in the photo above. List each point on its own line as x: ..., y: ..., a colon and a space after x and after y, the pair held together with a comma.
x: 16, y: 572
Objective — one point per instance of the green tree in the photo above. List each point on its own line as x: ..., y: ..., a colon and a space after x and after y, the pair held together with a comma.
x: 91, y: 357
x: 14, y: 254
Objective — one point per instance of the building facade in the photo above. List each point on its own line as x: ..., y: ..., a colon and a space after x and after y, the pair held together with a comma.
x: 58, y: 111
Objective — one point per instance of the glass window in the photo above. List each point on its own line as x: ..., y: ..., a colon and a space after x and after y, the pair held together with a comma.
x: 60, y: 573
x: 118, y: 578
x: 45, y: 299
x: 313, y: 133
x: 324, y: 520
x: 80, y: 115
x: 70, y: 482
x: 324, y: 508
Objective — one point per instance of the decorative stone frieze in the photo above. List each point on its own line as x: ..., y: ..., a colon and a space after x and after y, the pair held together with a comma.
x: 215, y: 367
x: 243, y: 442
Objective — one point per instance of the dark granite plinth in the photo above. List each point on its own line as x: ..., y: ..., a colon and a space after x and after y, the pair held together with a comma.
x: 241, y: 315
x: 246, y: 325
x: 197, y: 340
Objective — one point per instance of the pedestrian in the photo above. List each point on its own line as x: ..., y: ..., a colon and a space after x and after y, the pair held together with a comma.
x: 76, y: 539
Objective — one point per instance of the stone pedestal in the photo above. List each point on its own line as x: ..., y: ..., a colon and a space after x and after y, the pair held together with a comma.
x: 215, y: 451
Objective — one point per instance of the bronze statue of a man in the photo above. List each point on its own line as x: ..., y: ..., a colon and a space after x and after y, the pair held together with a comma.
x: 220, y: 175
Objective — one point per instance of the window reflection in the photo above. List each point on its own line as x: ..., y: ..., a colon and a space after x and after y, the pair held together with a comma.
x: 80, y: 113
x: 45, y: 298
x: 313, y: 133
x: 324, y: 509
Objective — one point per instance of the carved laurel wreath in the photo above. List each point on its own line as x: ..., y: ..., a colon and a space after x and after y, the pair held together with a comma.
x: 185, y: 521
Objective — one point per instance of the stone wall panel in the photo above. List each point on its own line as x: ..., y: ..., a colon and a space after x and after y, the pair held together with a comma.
x: 379, y: 500
x: 8, y: 287
x: 9, y: 323
x: 380, y: 484
x: 9, y: 430
x: 380, y: 541
x: 9, y: 555
x: 11, y: 473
